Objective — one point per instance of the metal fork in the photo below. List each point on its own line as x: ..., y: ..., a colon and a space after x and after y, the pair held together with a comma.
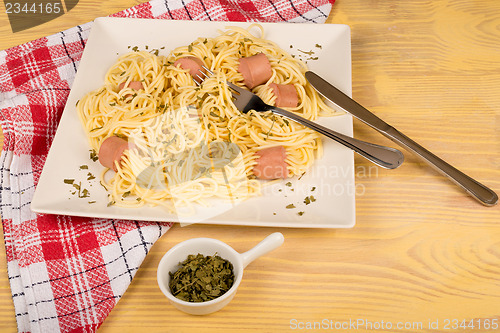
x: 245, y: 100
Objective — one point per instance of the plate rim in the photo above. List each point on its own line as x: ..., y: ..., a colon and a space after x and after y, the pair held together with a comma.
x: 99, y: 22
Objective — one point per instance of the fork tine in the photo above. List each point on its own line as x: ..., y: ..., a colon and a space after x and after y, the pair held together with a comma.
x: 200, y: 78
x: 207, y: 70
x: 237, y: 89
x: 203, y: 76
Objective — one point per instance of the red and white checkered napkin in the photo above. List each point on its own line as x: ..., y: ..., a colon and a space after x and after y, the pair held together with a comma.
x: 67, y: 273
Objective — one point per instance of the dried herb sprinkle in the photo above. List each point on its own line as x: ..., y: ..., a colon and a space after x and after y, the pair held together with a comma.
x: 201, y: 278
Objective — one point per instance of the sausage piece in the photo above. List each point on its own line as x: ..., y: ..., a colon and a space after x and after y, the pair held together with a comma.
x: 111, y: 151
x: 135, y: 85
x: 191, y: 64
x: 286, y: 95
x: 271, y: 163
x: 256, y: 70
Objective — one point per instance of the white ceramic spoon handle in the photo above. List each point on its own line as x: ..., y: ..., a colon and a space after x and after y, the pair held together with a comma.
x: 268, y: 244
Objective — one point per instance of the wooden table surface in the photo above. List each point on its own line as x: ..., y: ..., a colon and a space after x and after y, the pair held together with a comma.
x: 422, y: 253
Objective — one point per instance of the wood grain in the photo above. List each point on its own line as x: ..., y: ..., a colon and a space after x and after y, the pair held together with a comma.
x: 422, y: 251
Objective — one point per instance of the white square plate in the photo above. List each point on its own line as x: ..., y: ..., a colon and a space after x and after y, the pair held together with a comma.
x: 326, y: 49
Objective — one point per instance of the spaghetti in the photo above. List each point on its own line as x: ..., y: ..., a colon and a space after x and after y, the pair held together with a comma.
x: 190, y: 143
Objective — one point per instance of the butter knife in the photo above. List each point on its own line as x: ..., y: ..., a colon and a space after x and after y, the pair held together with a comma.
x: 477, y: 190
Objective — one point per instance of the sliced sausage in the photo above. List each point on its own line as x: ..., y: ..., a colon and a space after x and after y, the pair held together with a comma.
x: 271, y: 163
x: 111, y: 151
x: 135, y: 85
x: 191, y: 64
x: 255, y: 70
x: 286, y: 95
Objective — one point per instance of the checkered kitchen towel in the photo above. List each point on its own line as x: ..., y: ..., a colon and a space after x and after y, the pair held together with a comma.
x: 67, y: 273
